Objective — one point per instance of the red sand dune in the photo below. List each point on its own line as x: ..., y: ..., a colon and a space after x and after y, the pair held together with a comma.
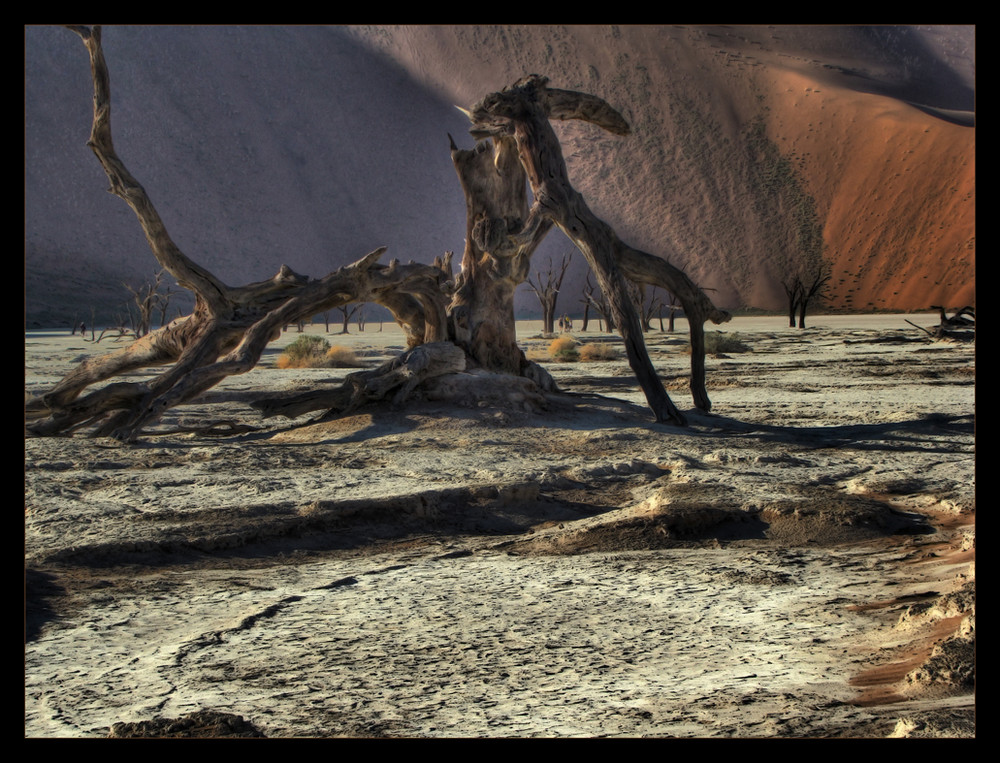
x: 893, y: 185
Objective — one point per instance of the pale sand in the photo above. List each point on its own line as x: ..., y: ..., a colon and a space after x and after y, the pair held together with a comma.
x: 782, y: 567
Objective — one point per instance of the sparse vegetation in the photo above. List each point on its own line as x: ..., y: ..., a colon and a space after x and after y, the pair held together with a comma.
x: 307, y: 351
x: 564, y: 349
x: 719, y: 342
x: 342, y: 357
x: 597, y: 351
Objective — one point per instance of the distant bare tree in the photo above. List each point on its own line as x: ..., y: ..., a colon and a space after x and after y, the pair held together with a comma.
x: 813, y: 287
x: 586, y: 314
x: 348, y: 312
x: 601, y: 305
x: 673, y: 307
x: 648, y: 307
x: 793, y: 291
x: 547, y: 290
x: 147, y: 299
x: 801, y: 289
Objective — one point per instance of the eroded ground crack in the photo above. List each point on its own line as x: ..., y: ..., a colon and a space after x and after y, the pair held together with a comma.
x: 213, y: 638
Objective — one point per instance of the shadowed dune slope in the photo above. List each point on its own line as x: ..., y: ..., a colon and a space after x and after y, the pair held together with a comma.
x: 752, y: 148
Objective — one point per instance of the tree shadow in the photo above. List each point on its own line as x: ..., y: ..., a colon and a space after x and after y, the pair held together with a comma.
x: 908, y: 435
x: 40, y: 588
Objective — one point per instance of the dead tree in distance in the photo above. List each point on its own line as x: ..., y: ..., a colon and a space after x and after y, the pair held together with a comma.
x: 801, y: 289
x: 547, y: 290
x: 793, y: 292
x: 600, y: 305
x: 148, y: 298
x: 814, y: 287
x: 347, y: 312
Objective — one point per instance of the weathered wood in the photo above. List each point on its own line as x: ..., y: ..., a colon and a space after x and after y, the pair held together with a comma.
x: 230, y: 326
x: 959, y: 327
x: 448, y: 320
x: 499, y: 242
x: 399, y: 376
x: 522, y: 112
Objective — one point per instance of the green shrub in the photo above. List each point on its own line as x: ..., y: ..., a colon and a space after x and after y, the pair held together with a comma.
x: 307, y: 351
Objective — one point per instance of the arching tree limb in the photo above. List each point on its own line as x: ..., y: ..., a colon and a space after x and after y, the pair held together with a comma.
x: 188, y: 273
x: 229, y: 327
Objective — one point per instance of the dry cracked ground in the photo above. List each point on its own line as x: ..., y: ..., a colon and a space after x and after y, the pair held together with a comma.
x: 799, y: 563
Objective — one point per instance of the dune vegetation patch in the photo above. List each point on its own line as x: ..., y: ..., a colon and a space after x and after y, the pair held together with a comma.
x: 311, y: 351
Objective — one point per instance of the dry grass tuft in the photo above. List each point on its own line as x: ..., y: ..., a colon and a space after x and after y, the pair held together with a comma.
x: 598, y: 351
x: 342, y: 357
x: 718, y: 342
x: 563, y: 349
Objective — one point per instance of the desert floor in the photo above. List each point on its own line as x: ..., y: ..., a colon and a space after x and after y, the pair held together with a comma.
x: 798, y: 563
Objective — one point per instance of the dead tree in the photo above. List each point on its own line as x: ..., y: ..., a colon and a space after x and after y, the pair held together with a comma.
x: 793, y: 291
x: 547, y: 291
x: 347, y: 312
x: 599, y: 304
x: 801, y: 289
x: 964, y: 318
x: 470, y: 312
x: 147, y: 299
x: 648, y: 308
x: 811, y: 288
x: 671, y: 306
x: 960, y: 326
x: 229, y: 327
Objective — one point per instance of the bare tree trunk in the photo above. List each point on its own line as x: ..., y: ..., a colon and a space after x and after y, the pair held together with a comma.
x: 605, y: 322
x: 793, y: 291
x: 547, y: 291
x: 523, y: 111
x: 815, y: 288
x: 493, y: 265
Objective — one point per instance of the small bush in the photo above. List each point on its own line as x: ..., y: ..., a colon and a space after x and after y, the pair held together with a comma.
x: 717, y: 342
x: 563, y: 349
x: 597, y: 351
x: 305, y: 352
